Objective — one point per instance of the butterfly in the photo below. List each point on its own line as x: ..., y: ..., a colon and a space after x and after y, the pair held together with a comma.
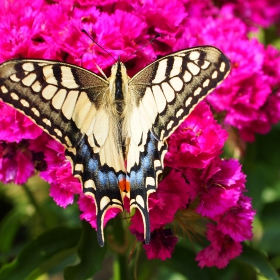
x: 114, y: 130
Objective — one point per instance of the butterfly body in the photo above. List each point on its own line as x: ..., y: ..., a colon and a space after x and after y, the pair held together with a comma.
x: 114, y: 130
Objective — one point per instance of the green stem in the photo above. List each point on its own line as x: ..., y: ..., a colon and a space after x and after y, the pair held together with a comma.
x: 120, y: 269
x: 120, y: 265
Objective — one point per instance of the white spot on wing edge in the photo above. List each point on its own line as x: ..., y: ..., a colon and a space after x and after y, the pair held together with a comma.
x: 179, y: 113
x: 157, y: 163
x: 170, y: 124
x: 14, y: 96
x: 47, y: 122
x: 150, y: 181
x: 197, y: 91
x: 140, y: 201
x: 68, y: 142
x: 79, y: 167
x: 222, y: 66
x: 58, y: 132
x: 89, y: 184
x: 104, y: 202
x: 24, y: 103
x: 194, y: 55
x: 4, y: 89
x: 206, y: 83
x: 188, y: 101
x: 35, y: 111
x: 28, y: 66
x: 215, y: 74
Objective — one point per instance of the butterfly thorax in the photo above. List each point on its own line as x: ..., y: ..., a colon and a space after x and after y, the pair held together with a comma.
x: 119, y: 102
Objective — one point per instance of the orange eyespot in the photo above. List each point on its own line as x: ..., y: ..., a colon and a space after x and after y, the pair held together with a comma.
x: 124, y: 186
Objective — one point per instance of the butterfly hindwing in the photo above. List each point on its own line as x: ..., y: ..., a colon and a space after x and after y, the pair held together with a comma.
x: 163, y: 94
x: 68, y: 103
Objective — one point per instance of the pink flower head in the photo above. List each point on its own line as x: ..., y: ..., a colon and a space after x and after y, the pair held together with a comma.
x: 221, y: 250
x: 14, y: 126
x: 197, y: 140
x: 15, y: 162
x: 218, y: 186
x: 237, y: 221
x: 161, y: 245
x: 261, y: 13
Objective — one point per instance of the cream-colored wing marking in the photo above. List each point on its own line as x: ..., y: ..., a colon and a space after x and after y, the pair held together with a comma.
x: 162, y: 95
x: 70, y: 103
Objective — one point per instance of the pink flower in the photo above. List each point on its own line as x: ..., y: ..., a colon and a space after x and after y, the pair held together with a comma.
x: 218, y: 186
x: 197, y: 141
x: 221, y: 250
x: 14, y: 126
x: 15, y: 162
x: 237, y: 221
x: 161, y: 245
x: 263, y: 13
x: 59, y: 173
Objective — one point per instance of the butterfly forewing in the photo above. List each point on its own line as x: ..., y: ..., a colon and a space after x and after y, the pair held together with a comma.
x: 70, y: 104
x: 163, y: 95
x: 168, y: 89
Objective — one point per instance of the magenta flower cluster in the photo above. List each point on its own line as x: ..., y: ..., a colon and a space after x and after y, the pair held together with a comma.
x: 249, y: 101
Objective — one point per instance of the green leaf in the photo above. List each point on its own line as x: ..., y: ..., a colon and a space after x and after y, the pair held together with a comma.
x: 90, y: 253
x: 8, y: 229
x: 259, y: 261
x: 42, y: 251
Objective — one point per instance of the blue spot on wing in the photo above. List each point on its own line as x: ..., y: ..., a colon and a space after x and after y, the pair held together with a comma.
x: 136, y: 178
x: 92, y: 165
x: 145, y: 162
x: 113, y: 178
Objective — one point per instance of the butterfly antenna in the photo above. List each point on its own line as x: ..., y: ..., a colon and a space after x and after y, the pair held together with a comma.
x: 144, y: 46
x: 84, y: 31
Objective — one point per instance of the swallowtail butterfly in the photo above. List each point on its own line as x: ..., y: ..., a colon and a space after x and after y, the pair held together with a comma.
x: 114, y: 130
